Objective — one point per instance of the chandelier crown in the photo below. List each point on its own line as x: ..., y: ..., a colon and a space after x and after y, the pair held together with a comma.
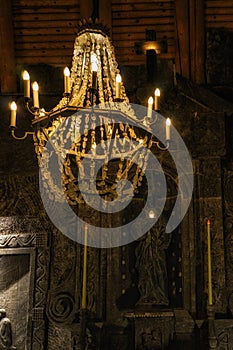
x: 91, y: 25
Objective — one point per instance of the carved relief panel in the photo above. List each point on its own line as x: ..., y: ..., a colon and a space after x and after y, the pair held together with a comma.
x: 24, y: 258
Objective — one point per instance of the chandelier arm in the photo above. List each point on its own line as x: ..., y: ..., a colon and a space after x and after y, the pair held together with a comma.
x: 160, y: 147
x: 31, y: 111
x: 147, y: 120
x: 21, y: 137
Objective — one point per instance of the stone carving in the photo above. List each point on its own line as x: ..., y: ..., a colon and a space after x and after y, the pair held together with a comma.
x: 30, y: 232
x: 153, y: 330
x: 224, y: 333
x: 17, y: 240
x: 61, y: 307
x: 5, y: 332
x: 151, y: 266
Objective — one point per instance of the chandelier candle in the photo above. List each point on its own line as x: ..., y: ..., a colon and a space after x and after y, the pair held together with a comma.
x: 118, y: 86
x: 84, y: 288
x: 66, y: 81
x: 157, y: 96
x: 94, y: 75
x: 150, y: 105
x: 26, y: 78
x: 13, y: 114
x: 168, y: 126
x: 210, y: 297
x: 35, y: 89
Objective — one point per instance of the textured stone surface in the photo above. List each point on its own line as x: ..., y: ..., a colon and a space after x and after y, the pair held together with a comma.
x: 14, y: 286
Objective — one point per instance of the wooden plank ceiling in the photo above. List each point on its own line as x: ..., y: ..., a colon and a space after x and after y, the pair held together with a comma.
x: 130, y: 20
x: 219, y: 14
x: 44, y: 30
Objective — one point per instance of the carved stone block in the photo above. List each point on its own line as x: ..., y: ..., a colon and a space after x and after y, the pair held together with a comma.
x: 152, y: 329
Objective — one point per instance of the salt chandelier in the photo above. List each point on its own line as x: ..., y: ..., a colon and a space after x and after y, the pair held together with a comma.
x: 93, y: 95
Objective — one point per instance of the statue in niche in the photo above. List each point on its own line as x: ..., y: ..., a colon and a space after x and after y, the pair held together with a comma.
x: 151, y: 266
x: 5, y: 332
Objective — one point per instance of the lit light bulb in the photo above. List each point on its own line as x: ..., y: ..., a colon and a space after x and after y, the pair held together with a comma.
x: 66, y: 72
x: 118, y: 78
x: 168, y: 132
x: 26, y: 78
x: 93, y: 58
x: 94, y: 67
x: 168, y: 121
x: 13, y: 106
x: 150, y: 100
x: 151, y: 214
x: 13, y: 114
x: 118, y: 86
x: 157, y: 96
x: 26, y: 75
x: 42, y: 112
x: 157, y: 92
x: 35, y: 88
x: 66, y: 80
x: 149, y: 109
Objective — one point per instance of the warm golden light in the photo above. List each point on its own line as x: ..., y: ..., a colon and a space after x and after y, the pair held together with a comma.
x: 13, y: 114
x: 13, y: 106
x: 151, y: 214
x: 157, y: 96
x: 26, y: 75
x: 66, y: 72
x: 168, y: 132
x: 157, y: 92
x: 118, y: 78
x: 168, y: 121
x: 35, y: 86
x: 149, y: 109
x: 94, y: 67
x: 66, y: 80
x: 26, y: 78
x: 93, y: 58
x: 118, y: 86
x: 150, y: 100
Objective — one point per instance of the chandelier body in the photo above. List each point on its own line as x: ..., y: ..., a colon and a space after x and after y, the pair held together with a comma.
x: 87, y: 115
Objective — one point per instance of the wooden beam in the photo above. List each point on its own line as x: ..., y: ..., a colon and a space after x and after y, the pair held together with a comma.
x: 199, y: 76
x: 192, y: 37
x: 182, y: 60
x: 105, y: 12
x: 197, y: 34
x: 86, y: 8
x: 7, y: 57
x: 190, y: 34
